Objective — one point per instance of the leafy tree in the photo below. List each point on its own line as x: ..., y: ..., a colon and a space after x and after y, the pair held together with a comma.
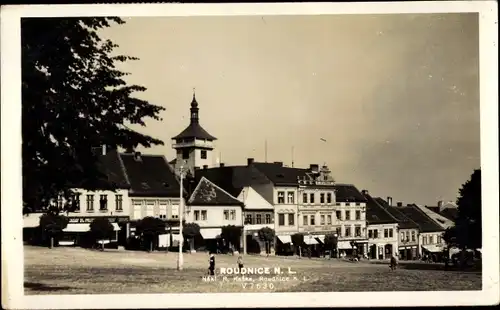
x: 101, y: 229
x: 73, y: 97
x: 331, y: 241
x: 266, y: 235
x: 298, y: 241
x: 467, y: 233
x: 53, y: 225
x: 189, y: 231
x: 232, y: 235
x: 150, y: 228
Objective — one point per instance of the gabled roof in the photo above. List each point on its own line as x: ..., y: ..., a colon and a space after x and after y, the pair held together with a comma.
x: 280, y: 175
x: 403, y: 221
x: 150, y: 175
x: 376, y: 214
x: 207, y: 193
x: 436, y: 217
x: 194, y: 130
x: 111, y: 166
x: 424, y: 222
x: 253, y: 200
x: 450, y: 213
x: 348, y: 193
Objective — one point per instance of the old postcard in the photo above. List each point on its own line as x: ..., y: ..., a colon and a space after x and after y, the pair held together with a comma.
x: 250, y: 155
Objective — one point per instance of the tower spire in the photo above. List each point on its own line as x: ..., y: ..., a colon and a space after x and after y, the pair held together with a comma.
x: 194, y: 109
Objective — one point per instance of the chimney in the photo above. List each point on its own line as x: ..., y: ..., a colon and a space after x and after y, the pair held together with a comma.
x: 400, y: 204
x: 249, y: 161
x: 279, y: 163
x: 389, y: 200
x: 221, y: 165
x: 104, y: 149
x: 314, y: 167
x: 205, y: 167
x: 364, y: 192
x: 137, y: 156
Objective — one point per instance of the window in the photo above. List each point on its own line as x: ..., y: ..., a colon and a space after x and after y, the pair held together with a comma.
x: 338, y: 214
x: 347, y: 204
x: 226, y: 215
x: 375, y: 234
x: 357, y: 231
x: 424, y: 240
x: 329, y: 219
x: 203, y: 215
x: 348, y: 231
x: 338, y: 231
x: 76, y: 202
x: 248, y: 219
x: 290, y: 197
x: 407, y: 236
x: 312, y: 220
x: 311, y: 198
x: 281, y: 219
x: 103, y: 202
x: 281, y: 197
x: 358, y: 215
x: 60, y: 201
x: 413, y: 236
x: 337, y: 203
x: 258, y: 219
x: 322, y: 198
x: 431, y: 239
x: 197, y: 215
x: 305, y: 220
x: 370, y: 234
x: 304, y: 198
x: 390, y: 233
x: 386, y: 233
x: 119, y: 202
x: 203, y: 154
x: 329, y: 198
x: 439, y: 239
x: 233, y: 215
x: 402, y: 236
x: 291, y: 219
x: 347, y: 215
x: 268, y: 218
x: 185, y: 154
x: 322, y: 219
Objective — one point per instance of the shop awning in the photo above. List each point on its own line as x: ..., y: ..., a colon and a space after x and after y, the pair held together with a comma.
x: 84, y: 227
x: 344, y: 245
x: 320, y: 238
x: 210, y: 233
x: 433, y: 248
x: 310, y: 240
x: 285, y: 239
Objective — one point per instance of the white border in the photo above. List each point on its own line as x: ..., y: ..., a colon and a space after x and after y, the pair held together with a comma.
x: 12, y: 249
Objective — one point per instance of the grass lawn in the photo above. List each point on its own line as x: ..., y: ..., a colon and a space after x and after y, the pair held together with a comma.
x: 80, y: 271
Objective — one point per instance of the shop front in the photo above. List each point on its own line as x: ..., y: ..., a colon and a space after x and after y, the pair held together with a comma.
x: 77, y: 232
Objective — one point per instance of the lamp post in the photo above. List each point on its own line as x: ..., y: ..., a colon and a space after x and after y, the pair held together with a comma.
x: 180, y: 260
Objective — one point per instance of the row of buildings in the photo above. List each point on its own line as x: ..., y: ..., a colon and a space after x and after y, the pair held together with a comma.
x: 251, y: 196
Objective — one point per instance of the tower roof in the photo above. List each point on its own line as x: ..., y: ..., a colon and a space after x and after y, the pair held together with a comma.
x: 194, y: 130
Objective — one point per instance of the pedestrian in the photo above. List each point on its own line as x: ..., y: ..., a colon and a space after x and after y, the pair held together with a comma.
x: 393, y: 263
x: 211, y: 266
x: 240, y: 263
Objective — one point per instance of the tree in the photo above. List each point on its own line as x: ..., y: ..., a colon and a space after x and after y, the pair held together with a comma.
x: 232, y: 235
x: 298, y: 241
x: 467, y: 232
x: 189, y: 231
x: 331, y: 241
x: 150, y: 228
x: 266, y: 235
x: 73, y: 98
x: 53, y: 225
x: 101, y: 229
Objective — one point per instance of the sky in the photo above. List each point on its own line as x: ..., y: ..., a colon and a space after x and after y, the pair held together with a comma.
x: 396, y: 96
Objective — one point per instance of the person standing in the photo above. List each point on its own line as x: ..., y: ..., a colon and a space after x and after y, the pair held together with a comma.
x: 211, y: 266
x: 240, y: 263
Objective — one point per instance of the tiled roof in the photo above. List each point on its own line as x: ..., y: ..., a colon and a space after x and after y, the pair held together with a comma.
x: 450, y: 213
x: 150, y: 176
x: 110, y: 165
x: 207, y: 193
x: 376, y: 214
x: 194, y: 130
x: 425, y: 223
x: 403, y: 221
x: 280, y: 175
x: 348, y: 193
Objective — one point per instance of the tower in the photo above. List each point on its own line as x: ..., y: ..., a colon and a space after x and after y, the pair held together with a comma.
x: 194, y: 145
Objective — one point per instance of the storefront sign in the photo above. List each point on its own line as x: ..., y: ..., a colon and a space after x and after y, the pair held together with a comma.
x: 113, y: 219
